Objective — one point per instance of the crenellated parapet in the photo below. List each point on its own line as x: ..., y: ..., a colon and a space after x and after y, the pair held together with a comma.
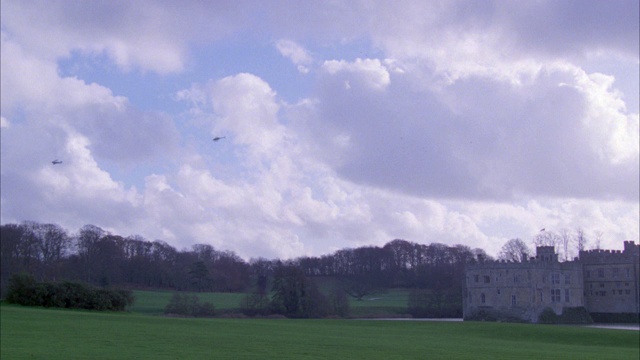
x: 599, y: 256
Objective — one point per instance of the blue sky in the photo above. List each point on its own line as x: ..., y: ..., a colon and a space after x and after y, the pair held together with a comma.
x: 346, y: 123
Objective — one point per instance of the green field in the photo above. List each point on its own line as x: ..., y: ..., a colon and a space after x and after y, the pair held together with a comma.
x: 154, y: 302
x: 37, y: 333
x: 389, y: 303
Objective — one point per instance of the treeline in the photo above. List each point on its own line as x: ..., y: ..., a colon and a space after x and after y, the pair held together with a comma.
x: 95, y: 256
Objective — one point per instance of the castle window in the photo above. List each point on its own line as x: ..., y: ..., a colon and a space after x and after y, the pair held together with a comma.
x: 513, y: 300
x: 476, y: 278
x: 516, y: 278
x: 555, y: 295
x: 498, y: 291
x: 614, y: 272
x: 600, y: 272
x: 567, y: 278
x: 555, y: 278
x: 487, y: 279
x: 628, y: 272
x: 482, y: 298
x: 628, y: 292
x: 626, y: 284
x: 567, y: 297
x: 601, y: 285
x: 541, y: 297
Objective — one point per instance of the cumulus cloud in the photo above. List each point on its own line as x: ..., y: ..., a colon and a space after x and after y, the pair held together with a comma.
x: 455, y: 122
x: 146, y: 36
x: 482, y: 138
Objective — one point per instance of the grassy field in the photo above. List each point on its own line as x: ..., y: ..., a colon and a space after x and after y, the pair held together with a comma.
x: 37, y: 333
x: 390, y: 303
x: 154, y: 302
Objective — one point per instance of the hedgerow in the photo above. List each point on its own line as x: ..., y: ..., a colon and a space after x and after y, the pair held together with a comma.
x: 23, y: 289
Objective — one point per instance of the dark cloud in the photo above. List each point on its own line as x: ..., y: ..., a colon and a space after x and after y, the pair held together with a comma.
x: 578, y: 27
x: 476, y: 139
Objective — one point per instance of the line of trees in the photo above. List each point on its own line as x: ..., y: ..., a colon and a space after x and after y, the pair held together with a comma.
x: 97, y: 257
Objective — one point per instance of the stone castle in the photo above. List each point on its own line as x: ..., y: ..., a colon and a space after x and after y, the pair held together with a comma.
x: 601, y: 281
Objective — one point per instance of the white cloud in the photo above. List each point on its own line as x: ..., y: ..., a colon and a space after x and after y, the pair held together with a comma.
x: 369, y: 72
x: 147, y: 35
x: 36, y: 81
x: 615, y: 131
x: 298, y: 55
x: 452, y: 122
x: 245, y: 106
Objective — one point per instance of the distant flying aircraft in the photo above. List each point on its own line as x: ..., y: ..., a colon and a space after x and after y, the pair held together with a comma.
x: 217, y: 138
x: 56, y: 162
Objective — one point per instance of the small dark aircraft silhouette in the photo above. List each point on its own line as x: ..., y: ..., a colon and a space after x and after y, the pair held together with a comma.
x: 56, y: 162
x: 217, y: 138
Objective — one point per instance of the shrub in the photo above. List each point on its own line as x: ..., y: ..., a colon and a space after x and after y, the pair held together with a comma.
x: 25, y: 290
x: 188, y: 305
x: 626, y: 318
x: 255, y: 304
x: 426, y: 303
x: 575, y: 315
x: 548, y: 316
x: 570, y: 315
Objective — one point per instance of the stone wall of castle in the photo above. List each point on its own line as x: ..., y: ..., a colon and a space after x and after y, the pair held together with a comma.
x: 601, y: 281
x: 611, y: 279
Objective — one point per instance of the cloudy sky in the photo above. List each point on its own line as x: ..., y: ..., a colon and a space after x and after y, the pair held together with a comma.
x: 345, y: 123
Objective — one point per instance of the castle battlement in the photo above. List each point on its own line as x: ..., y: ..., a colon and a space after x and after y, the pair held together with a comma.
x: 602, y: 256
x: 529, y: 263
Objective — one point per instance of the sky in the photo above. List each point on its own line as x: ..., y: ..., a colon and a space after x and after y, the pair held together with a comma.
x: 343, y: 123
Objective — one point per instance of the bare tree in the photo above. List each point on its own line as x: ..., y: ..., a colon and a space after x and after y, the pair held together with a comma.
x: 514, y: 250
x: 548, y: 238
x: 54, y: 242
x: 565, y: 240
x: 581, y: 239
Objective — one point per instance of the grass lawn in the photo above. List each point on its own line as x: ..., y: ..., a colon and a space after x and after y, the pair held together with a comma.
x: 154, y: 302
x: 389, y: 303
x: 392, y: 302
x: 37, y: 333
